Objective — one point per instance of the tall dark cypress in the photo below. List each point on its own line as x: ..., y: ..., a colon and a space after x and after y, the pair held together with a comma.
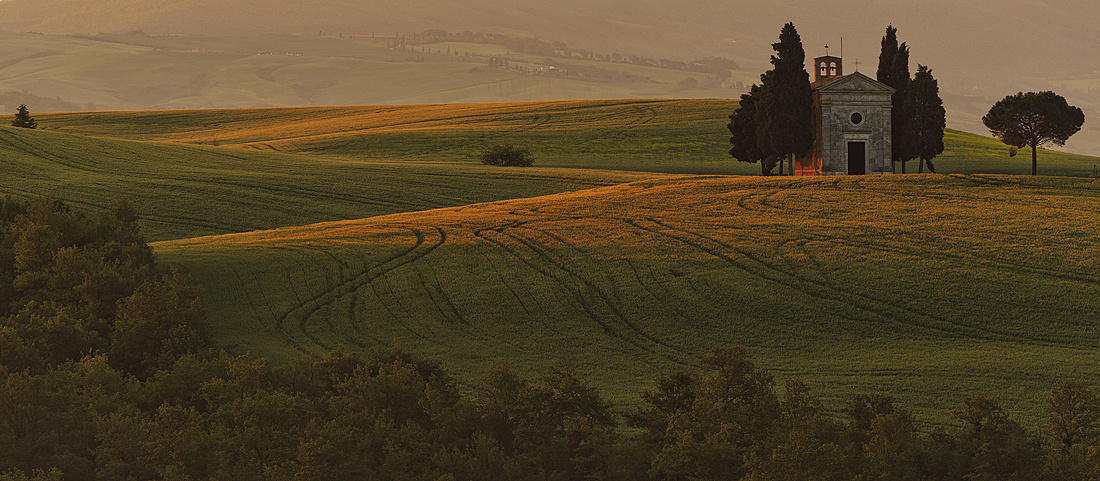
x: 784, y: 111
x: 893, y: 70
x: 886, y: 55
x: 927, y: 117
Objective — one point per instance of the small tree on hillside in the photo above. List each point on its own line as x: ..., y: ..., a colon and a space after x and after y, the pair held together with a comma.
x: 23, y: 118
x: 1033, y: 119
x: 926, y: 116
x: 507, y: 155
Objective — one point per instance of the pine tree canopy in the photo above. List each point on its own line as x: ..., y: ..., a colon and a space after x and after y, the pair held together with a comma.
x: 1033, y: 119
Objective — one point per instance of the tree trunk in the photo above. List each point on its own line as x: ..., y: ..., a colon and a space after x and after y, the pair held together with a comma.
x: 920, y: 165
x: 781, y: 167
x: 1033, y: 163
x: 903, y: 166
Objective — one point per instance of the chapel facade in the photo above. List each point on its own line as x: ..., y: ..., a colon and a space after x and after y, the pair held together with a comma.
x: 851, y: 122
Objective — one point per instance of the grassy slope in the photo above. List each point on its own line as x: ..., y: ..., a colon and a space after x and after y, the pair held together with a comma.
x: 685, y: 136
x: 928, y: 287
x: 189, y: 190
x: 995, y: 293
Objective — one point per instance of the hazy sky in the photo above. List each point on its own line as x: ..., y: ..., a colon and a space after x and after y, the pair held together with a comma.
x: 981, y: 48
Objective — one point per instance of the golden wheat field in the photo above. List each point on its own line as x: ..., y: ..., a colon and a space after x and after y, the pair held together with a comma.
x: 927, y: 287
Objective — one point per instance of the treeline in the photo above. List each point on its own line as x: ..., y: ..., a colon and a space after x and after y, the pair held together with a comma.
x: 717, y: 66
x: 91, y: 389
x: 73, y: 284
x: 387, y: 415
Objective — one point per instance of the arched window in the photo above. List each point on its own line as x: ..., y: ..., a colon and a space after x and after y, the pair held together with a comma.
x: 824, y: 70
x: 832, y: 69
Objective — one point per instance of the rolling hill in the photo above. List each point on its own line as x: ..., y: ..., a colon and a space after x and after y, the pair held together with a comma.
x: 185, y: 190
x: 136, y: 54
x: 671, y: 136
x: 926, y: 287
x: 129, y: 72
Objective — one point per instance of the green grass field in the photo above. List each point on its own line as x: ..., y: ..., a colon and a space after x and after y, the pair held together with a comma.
x: 190, y: 190
x: 673, y: 136
x: 928, y: 287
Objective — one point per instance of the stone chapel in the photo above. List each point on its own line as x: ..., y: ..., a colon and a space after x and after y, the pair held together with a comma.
x: 851, y: 121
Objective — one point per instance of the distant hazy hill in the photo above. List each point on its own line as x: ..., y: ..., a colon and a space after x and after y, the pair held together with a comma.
x: 983, y: 48
x: 1032, y: 40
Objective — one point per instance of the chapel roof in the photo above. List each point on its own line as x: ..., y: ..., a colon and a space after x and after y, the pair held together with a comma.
x: 853, y: 82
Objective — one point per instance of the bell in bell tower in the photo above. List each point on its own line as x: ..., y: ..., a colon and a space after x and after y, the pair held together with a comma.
x: 827, y: 67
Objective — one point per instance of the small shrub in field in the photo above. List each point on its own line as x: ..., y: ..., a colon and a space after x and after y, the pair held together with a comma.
x: 507, y: 155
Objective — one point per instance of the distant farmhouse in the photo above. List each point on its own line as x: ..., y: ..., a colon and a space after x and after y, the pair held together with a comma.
x: 851, y: 121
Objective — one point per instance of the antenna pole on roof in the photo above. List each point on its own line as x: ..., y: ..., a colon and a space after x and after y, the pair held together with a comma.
x: 841, y: 47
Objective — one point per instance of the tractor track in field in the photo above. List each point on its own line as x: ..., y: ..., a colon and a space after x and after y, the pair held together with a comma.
x: 257, y: 315
x: 763, y: 200
x: 677, y: 304
x: 283, y: 191
x: 987, y: 179
x: 588, y: 297
x: 305, y: 310
x: 171, y: 220
x: 33, y: 150
x: 599, y: 266
x: 438, y: 295
x: 376, y: 291
x: 585, y: 283
x: 754, y: 196
x: 510, y: 285
x: 341, y: 274
x: 878, y: 308
x: 354, y: 305
x: 645, y: 115
x: 979, y: 259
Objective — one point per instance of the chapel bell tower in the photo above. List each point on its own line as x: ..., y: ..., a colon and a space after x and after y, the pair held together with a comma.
x: 827, y: 67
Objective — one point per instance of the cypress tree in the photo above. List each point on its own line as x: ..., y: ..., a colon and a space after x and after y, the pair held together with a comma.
x: 742, y: 127
x: 927, y: 117
x: 784, y: 111
x: 893, y: 70
x: 886, y: 54
x: 23, y: 118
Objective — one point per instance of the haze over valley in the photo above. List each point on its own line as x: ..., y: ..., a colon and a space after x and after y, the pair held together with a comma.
x: 979, y: 51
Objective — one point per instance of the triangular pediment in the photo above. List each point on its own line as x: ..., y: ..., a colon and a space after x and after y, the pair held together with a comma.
x: 855, y: 82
